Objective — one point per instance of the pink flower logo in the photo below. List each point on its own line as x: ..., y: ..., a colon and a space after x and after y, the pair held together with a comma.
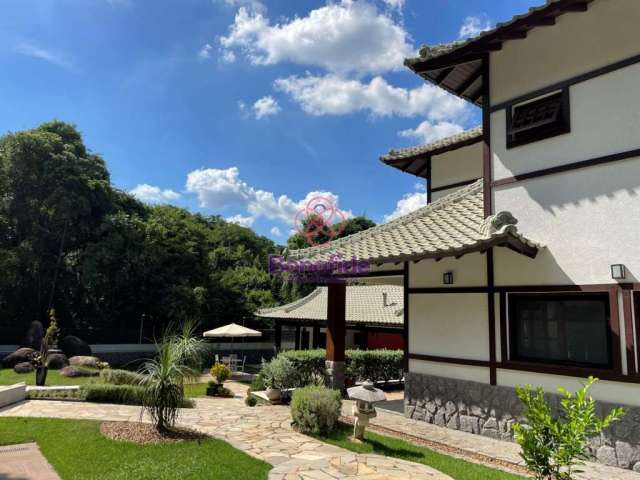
x: 319, y: 221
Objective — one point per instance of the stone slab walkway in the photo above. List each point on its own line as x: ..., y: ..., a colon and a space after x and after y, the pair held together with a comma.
x: 505, y: 451
x: 25, y: 462
x: 263, y: 432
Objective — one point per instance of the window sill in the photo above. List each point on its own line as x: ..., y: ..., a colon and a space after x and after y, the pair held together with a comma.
x: 569, y: 371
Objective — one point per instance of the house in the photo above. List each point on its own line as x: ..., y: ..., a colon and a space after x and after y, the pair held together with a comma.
x: 522, y: 269
x: 374, y: 318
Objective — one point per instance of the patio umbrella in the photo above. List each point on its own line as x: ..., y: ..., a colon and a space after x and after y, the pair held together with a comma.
x: 232, y: 330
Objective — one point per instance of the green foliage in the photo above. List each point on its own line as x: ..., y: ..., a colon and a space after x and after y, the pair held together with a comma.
x: 258, y: 383
x: 316, y: 409
x: 309, y: 366
x: 552, y: 446
x: 250, y: 401
x: 106, y: 393
x: 119, y: 377
x: 376, y: 365
x: 315, y: 227
x: 220, y: 372
x: 163, y: 378
x: 278, y: 373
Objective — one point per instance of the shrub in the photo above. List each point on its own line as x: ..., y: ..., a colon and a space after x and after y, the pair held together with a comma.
x: 119, y: 377
x: 119, y: 394
x: 258, y: 383
x: 553, y: 446
x: 309, y: 366
x: 279, y: 373
x: 250, y: 401
x: 316, y: 409
x: 375, y: 365
x: 220, y: 372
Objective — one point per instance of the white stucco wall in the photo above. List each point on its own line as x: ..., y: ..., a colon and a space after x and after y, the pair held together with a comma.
x: 449, y: 325
x: 468, y: 271
x: 457, y: 165
x: 605, y: 119
x: 579, y: 42
x: 588, y: 219
x: 458, y: 372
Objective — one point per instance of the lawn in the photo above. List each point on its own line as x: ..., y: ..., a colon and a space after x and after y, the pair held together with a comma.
x: 77, y: 450
x: 393, y: 447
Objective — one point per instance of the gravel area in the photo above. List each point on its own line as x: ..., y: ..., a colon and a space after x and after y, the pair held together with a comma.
x: 138, y: 432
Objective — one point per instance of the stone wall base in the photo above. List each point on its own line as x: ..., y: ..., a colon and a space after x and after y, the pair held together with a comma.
x: 492, y: 410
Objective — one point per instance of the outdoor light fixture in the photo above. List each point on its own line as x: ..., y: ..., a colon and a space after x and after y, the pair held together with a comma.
x: 447, y: 278
x: 618, y: 271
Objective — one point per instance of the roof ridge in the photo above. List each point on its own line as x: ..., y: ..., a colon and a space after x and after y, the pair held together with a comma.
x: 443, y: 202
x: 451, y: 140
x: 295, y: 304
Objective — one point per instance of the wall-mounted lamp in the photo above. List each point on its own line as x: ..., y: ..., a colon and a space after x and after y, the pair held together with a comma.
x: 618, y: 272
x: 447, y: 278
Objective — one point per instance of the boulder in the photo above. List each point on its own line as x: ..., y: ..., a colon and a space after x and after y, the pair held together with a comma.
x: 19, y: 356
x: 72, y: 371
x: 73, y: 346
x: 56, y: 361
x: 23, y: 367
x: 33, y: 338
x: 84, y: 361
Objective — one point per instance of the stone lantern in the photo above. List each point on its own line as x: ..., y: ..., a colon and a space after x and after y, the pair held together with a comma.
x: 365, y: 396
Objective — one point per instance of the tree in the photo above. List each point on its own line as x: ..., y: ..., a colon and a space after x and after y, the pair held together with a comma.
x: 316, y: 232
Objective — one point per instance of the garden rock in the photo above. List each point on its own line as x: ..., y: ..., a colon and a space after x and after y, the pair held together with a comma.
x: 72, y: 371
x: 19, y: 356
x: 56, y: 361
x: 84, y: 361
x: 33, y: 338
x: 73, y: 346
x: 23, y: 367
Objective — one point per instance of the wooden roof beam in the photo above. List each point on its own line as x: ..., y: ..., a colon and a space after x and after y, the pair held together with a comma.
x: 443, y: 75
x: 470, y: 80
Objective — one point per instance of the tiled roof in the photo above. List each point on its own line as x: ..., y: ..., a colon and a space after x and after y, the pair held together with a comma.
x: 444, y: 143
x: 451, y: 226
x: 364, y: 303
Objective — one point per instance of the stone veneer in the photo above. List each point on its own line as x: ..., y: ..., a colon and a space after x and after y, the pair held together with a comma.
x: 492, y: 410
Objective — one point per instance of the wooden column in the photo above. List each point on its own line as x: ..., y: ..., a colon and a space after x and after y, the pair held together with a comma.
x: 491, y: 312
x: 405, y: 327
x: 278, y: 336
x: 336, y: 313
x: 336, y: 329
x: 487, y: 171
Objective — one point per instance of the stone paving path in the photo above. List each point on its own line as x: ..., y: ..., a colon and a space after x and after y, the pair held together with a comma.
x: 24, y: 462
x: 506, y: 451
x: 263, y: 432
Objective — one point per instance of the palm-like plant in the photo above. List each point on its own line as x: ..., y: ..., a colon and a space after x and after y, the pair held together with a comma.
x: 179, y: 359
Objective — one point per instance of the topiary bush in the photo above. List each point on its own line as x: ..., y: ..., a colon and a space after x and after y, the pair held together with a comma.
x: 73, y: 346
x: 120, y: 377
x: 220, y: 372
x: 316, y: 409
x: 250, y: 401
x: 309, y: 366
x: 375, y: 365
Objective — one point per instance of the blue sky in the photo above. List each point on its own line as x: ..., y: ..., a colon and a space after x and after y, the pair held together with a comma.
x: 242, y: 108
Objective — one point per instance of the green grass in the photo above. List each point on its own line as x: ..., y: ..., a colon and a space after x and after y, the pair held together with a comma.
x: 393, y: 447
x: 77, y: 450
x: 9, y: 377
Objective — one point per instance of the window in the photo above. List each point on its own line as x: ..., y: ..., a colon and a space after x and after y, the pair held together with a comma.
x: 561, y: 329
x: 543, y: 118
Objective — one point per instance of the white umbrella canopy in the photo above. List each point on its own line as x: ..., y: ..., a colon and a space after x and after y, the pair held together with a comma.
x: 232, y: 330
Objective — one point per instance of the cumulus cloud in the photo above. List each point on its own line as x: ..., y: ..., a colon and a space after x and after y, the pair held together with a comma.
x: 265, y: 107
x: 152, y: 194
x: 241, y: 220
x: 219, y: 189
x: 252, y: 5
x: 348, y: 36
x: 407, y: 204
x: 397, y: 4
x: 472, y: 26
x: 335, y: 95
x: 275, y: 231
x: 428, y: 132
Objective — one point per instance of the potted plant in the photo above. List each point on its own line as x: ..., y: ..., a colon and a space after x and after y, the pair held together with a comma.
x: 277, y: 375
x: 220, y: 373
x: 50, y: 339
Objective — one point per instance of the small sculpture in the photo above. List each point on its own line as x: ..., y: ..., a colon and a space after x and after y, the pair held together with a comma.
x: 365, y: 396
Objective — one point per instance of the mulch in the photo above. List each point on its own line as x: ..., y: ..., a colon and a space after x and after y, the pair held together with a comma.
x: 459, y: 453
x: 146, y: 433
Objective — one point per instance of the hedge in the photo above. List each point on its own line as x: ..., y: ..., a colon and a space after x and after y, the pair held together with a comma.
x: 316, y: 410
x: 119, y: 377
x: 119, y: 394
x: 376, y: 365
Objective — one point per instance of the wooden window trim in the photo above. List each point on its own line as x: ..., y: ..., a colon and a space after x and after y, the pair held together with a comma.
x: 559, y: 367
x: 537, y: 133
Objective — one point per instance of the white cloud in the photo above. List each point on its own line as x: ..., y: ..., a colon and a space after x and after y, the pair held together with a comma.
x: 218, y: 189
x: 275, y: 231
x: 420, y: 186
x: 152, y: 194
x: 473, y: 26
x: 253, y: 5
x: 205, y: 51
x: 428, y: 132
x: 407, y: 204
x: 335, y: 95
x: 46, y: 55
x: 265, y: 107
x: 228, y: 56
x: 346, y: 36
x: 397, y: 4
x: 241, y: 220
